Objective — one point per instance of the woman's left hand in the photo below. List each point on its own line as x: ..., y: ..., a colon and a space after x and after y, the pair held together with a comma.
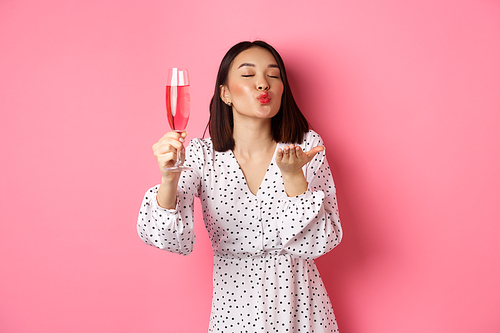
x: 292, y: 158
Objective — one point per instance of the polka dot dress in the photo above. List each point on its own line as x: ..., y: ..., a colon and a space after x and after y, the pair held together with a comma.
x: 265, y: 278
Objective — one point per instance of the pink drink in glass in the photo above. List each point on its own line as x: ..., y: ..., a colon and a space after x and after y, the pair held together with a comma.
x: 178, y: 103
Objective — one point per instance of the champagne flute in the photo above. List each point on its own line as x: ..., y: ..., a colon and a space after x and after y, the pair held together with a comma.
x: 178, y: 100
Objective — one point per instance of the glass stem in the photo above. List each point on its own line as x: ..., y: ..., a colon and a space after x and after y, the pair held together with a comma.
x: 179, y: 158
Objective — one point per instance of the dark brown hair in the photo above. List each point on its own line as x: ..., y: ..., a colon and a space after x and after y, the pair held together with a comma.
x: 288, y: 125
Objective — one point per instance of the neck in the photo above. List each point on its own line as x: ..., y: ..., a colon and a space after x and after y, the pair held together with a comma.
x: 252, y: 137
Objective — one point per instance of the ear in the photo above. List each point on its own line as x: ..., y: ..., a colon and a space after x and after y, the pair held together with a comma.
x: 224, y: 94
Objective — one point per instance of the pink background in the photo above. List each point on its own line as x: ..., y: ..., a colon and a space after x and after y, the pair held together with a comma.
x: 405, y: 94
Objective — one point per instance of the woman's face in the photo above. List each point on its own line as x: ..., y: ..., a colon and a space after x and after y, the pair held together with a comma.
x: 254, y: 85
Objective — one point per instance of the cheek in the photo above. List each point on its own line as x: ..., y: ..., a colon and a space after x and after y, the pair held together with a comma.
x: 278, y: 96
x: 236, y: 87
x: 240, y: 90
x: 279, y: 92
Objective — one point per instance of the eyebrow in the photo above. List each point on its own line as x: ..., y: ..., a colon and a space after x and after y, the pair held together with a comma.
x: 248, y: 64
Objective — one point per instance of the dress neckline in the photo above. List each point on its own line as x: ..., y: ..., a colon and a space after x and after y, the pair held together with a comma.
x: 270, y: 165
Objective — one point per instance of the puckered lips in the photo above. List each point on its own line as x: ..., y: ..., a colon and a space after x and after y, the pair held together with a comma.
x: 264, y: 97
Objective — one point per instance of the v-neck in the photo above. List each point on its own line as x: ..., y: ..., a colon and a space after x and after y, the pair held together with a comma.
x: 271, y: 163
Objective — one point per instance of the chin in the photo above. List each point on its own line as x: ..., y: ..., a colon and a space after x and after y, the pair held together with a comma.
x: 266, y: 115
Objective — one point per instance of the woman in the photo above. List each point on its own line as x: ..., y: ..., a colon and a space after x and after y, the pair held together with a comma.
x: 268, y: 200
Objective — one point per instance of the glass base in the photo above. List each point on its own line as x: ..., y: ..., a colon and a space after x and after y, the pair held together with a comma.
x: 178, y: 168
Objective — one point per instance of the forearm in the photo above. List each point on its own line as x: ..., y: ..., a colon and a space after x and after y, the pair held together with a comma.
x: 167, y: 193
x: 295, y: 184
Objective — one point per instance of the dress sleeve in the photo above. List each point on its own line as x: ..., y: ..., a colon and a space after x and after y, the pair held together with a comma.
x: 310, y: 224
x: 172, y: 229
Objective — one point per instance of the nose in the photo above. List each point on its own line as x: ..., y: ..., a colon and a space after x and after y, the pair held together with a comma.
x: 263, y: 84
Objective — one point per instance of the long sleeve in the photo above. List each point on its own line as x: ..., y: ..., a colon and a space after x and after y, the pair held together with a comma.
x: 310, y: 224
x: 167, y: 229
x: 172, y: 229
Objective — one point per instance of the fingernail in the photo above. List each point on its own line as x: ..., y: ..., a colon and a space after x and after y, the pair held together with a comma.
x: 181, y: 139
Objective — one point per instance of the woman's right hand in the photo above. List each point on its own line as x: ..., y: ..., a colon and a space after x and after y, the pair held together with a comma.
x: 165, y: 151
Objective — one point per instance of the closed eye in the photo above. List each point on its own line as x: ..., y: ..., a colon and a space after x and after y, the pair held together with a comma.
x: 247, y: 75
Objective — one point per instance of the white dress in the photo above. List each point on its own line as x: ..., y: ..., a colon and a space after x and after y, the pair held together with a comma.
x: 264, y: 278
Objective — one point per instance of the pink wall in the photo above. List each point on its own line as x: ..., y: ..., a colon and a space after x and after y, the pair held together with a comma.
x: 405, y: 94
